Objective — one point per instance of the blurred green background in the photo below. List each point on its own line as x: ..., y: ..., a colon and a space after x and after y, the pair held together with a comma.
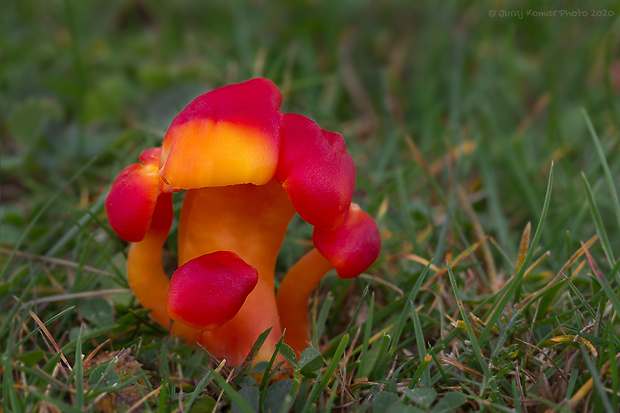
x: 84, y: 79
x: 431, y: 97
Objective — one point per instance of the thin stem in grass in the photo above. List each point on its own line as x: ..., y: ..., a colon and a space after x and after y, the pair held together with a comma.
x: 488, y: 377
x: 78, y: 371
x: 359, y: 306
x: 516, y: 281
x: 364, y: 356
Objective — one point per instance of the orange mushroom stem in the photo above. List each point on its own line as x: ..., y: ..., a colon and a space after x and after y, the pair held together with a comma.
x: 350, y: 249
x: 247, y: 169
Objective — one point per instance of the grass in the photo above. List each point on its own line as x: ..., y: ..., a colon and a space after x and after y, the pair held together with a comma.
x: 486, y: 149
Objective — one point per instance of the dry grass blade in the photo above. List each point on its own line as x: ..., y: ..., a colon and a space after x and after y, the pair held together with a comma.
x: 575, y: 257
x: 572, y: 260
x: 569, y: 339
x: 85, y: 294
x: 93, y: 353
x: 536, y: 264
x: 56, y: 261
x: 417, y: 155
x: 524, y: 245
x: 466, y: 148
x: 470, y: 250
x: 460, y: 366
x: 481, y: 236
x: 583, y: 392
x: 50, y: 340
x: 591, y: 262
x: 381, y: 281
x: 419, y: 260
x: 140, y: 402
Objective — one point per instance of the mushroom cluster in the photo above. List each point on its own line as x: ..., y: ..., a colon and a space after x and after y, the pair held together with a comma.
x: 247, y: 169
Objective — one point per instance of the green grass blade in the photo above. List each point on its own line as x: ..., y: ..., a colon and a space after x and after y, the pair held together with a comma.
x: 202, y: 384
x: 613, y: 297
x: 319, y: 386
x: 598, y: 385
x: 265, y: 380
x: 516, y: 281
x: 477, y: 350
x: 608, y: 176
x: 321, y: 319
x: 598, y: 221
x: 417, y: 326
x: 241, y: 404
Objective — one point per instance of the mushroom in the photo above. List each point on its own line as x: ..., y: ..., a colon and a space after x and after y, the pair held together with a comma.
x: 247, y: 169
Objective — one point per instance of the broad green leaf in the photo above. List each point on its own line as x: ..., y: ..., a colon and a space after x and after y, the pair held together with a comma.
x: 203, y: 404
x: 103, y: 376
x: 31, y: 357
x: 423, y: 397
x: 275, y: 395
x: 98, y: 311
x: 250, y: 395
x: 449, y: 402
x: 288, y: 353
x: 309, y: 362
x: 384, y: 401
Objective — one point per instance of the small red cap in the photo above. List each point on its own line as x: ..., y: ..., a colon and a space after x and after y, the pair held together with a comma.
x: 131, y: 201
x: 209, y: 290
x: 352, y: 247
x: 316, y: 171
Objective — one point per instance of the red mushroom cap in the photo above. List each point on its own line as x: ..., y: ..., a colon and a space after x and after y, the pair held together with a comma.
x: 352, y: 247
x: 209, y: 290
x: 228, y: 136
x: 131, y: 201
x: 316, y: 171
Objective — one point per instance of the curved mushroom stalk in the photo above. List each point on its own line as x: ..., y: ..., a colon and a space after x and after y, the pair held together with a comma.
x: 139, y: 212
x: 145, y: 271
x: 293, y: 294
x: 350, y: 249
